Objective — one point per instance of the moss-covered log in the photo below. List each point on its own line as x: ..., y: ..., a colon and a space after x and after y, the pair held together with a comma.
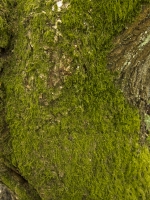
x: 67, y: 131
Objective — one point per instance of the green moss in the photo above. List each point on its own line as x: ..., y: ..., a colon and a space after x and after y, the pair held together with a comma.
x: 4, y: 36
x: 73, y: 135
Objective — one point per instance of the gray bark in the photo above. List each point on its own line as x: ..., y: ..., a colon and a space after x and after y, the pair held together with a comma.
x: 6, y: 193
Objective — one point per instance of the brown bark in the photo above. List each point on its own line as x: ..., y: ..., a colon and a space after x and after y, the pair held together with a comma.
x: 130, y: 58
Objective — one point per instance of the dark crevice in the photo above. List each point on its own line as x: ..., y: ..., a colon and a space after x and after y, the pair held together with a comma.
x: 2, y: 51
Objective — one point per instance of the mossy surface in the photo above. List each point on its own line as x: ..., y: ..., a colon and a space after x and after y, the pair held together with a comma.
x: 4, y: 36
x: 72, y: 134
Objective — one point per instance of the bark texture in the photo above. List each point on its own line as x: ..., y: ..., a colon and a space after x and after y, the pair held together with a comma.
x: 6, y: 194
x: 130, y: 58
x: 61, y: 104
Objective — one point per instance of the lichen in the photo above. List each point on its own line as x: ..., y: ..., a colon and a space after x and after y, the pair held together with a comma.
x: 145, y: 38
x: 147, y: 121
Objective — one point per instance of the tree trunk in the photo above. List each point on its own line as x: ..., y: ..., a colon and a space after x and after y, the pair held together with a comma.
x: 67, y: 132
x: 5, y: 193
x: 130, y: 58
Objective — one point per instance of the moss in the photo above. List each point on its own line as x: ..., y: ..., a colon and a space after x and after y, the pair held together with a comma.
x: 4, y: 35
x: 73, y: 135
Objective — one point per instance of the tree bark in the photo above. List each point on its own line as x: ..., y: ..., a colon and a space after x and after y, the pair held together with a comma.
x: 130, y: 59
x: 6, y: 194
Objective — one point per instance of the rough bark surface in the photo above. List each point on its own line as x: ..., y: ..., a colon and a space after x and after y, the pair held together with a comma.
x: 6, y: 194
x: 130, y: 58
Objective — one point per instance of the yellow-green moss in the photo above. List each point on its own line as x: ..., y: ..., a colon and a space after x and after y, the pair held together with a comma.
x: 74, y: 137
